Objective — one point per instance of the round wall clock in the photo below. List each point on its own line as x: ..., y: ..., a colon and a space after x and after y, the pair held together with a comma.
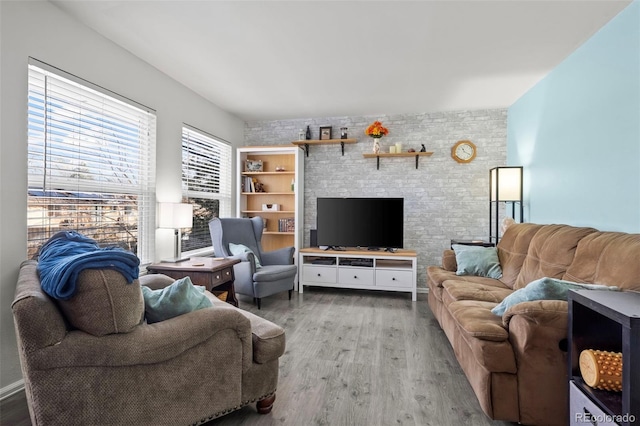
x: 463, y: 151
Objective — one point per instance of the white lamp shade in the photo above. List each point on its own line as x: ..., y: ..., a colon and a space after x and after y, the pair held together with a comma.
x: 175, y: 215
x: 506, y: 184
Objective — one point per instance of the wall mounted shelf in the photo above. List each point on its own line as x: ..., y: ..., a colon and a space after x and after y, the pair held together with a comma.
x: 305, y: 144
x: 417, y: 155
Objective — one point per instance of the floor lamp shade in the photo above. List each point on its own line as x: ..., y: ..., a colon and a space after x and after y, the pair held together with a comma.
x: 175, y: 216
x: 505, y: 185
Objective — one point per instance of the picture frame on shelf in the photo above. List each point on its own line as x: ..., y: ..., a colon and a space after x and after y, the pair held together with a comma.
x: 325, y: 133
x: 253, y: 166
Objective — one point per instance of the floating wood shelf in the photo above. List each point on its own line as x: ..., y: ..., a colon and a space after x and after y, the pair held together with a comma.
x: 305, y: 144
x: 417, y: 155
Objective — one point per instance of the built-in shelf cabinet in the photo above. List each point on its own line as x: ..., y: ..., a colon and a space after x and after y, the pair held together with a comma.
x: 277, y: 190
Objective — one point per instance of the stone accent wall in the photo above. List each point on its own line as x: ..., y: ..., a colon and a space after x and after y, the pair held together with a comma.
x: 443, y: 199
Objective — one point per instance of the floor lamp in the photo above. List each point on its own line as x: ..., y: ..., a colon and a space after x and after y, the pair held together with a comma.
x: 505, y: 186
x: 175, y: 216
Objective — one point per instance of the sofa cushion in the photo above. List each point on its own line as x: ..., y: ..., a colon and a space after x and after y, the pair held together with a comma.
x: 478, y: 261
x: 512, y: 250
x: 105, y: 303
x: 599, y: 257
x: 550, y: 253
x: 460, y: 290
x: 544, y: 289
x: 178, y: 298
x: 476, y: 320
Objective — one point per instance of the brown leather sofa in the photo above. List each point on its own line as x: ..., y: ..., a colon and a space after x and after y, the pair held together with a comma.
x: 516, y: 364
x: 185, y: 370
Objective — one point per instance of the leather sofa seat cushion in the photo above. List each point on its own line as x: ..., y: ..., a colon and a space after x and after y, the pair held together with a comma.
x: 459, y: 290
x: 599, y: 256
x: 475, y: 319
x: 105, y: 303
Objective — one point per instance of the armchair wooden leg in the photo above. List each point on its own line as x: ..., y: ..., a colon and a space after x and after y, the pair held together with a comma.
x: 258, y: 301
x: 264, y: 406
x: 290, y: 292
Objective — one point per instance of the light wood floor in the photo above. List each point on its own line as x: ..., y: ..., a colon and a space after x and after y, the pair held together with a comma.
x: 352, y: 358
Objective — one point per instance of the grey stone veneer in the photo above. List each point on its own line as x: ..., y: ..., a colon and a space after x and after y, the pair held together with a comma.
x: 443, y: 199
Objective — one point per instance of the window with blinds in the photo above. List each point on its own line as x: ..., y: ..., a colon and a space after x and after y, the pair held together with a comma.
x: 91, y: 163
x: 206, y: 183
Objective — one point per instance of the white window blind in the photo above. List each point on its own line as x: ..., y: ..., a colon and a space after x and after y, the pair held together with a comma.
x: 206, y: 183
x: 91, y: 163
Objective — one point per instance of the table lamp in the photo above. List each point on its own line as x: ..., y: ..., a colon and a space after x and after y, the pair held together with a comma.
x: 175, y: 216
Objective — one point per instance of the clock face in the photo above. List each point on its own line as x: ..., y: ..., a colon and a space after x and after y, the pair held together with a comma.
x: 463, y: 151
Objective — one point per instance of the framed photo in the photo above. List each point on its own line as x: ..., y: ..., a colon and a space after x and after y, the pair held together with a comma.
x: 253, y: 165
x: 325, y: 133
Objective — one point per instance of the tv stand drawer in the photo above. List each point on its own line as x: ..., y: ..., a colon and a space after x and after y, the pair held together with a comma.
x: 391, y: 278
x: 319, y: 274
x: 355, y: 276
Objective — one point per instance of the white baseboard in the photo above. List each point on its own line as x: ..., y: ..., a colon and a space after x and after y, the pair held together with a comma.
x: 12, y: 389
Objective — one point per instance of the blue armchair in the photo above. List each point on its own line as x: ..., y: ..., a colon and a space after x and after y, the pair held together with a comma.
x: 277, y: 272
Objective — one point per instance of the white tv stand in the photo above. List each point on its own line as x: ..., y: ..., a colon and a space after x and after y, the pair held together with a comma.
x: 359, y: 269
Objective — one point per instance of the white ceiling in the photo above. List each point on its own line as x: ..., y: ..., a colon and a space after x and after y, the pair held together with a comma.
x: 267, y: 60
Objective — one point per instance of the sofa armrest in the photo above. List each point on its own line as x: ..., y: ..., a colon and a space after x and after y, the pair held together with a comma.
x: 150, y: 343
x: 548, y: 313
x: 283, y: 256
x: 538, y: 333
x: 449, y: 261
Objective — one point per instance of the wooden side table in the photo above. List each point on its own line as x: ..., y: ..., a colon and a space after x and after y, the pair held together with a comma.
x: 215, y: 274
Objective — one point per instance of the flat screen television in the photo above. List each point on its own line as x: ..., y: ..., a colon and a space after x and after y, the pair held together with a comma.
x: 360, y: 222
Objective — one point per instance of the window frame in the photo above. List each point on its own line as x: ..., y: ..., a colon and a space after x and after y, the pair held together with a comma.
x: 76, y: 125
x: 191, y: 134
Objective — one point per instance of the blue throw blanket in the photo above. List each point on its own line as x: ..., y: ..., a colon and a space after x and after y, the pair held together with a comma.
x: 67, y: 253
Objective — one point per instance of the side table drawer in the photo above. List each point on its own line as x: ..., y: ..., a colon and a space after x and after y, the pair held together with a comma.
x: 584, y: 411
x: 220, y: 277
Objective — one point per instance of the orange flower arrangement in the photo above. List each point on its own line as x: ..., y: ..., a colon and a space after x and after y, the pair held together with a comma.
x: 376, y: 130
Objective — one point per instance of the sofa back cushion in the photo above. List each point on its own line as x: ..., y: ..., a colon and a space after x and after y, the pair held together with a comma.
x: 550, y: 253
x: 105, y: 303
x: 513, y: 248
x: 609, y: 258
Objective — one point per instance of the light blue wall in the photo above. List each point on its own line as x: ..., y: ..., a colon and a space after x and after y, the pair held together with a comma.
x: 577, y: 133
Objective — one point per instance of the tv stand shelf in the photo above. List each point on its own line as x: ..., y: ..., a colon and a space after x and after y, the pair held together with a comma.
x: 359, y: 269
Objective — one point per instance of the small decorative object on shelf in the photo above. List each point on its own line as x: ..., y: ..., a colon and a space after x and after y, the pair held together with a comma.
x: 253, y: 166
x: 602, y: 369
x: 343, y: 133
x: 411, y: 150
x: 270, y: 207
x: 301, y: 135
x: 325, y: 133
x: 280, y: 169
x: 307, y: 135
x: 423, y: 149
x: 398, y: 147
x: 376, y: 131
x: 259, y: 187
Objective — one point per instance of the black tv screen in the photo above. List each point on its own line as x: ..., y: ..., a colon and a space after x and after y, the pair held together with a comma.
x: 360, y: 222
